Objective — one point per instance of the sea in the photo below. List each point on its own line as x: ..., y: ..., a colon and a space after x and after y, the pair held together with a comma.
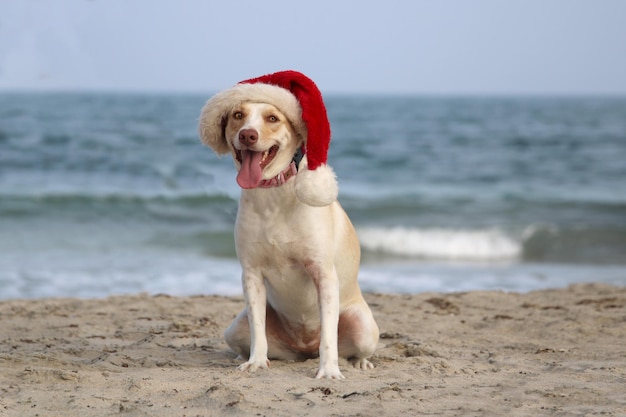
x: 109, y: 193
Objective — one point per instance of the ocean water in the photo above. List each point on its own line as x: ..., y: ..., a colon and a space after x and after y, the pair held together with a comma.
x: 106, y: 194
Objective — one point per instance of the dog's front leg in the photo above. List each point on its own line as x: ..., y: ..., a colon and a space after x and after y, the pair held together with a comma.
x: 256, y: 301
x: 328, y: 295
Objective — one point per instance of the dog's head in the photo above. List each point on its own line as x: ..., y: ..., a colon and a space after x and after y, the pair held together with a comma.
x: 261, y: 137
x: 261, y: 140
x: 263, y: 122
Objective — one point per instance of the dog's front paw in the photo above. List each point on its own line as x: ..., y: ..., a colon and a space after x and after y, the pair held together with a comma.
x: 362, y: 363
x: 329, y: 372
x: 253, y: 365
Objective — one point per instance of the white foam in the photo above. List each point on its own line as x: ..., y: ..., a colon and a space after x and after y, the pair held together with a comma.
x: 444, y: 244
x: 433, y: 276
x: 56, y: 273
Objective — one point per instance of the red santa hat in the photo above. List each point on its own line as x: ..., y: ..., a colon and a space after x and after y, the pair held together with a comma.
x: 299, y: 99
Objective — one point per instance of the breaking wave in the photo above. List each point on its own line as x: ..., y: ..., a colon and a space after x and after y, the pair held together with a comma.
x: 476, y: 245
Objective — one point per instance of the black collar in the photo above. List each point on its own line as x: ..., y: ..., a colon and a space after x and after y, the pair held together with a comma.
x: 297, y: 157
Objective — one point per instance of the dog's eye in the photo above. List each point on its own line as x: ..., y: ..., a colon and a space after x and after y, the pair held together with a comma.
x: 238, y: 115
x: 272, y: 119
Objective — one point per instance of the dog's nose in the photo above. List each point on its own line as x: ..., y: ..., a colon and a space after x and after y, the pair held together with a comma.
x: 248, y: 137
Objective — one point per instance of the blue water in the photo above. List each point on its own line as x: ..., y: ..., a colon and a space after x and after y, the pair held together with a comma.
x: 105, y: 194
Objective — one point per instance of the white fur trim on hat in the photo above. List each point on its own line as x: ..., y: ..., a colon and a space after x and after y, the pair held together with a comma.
x: 217, y: 109
x: 318, y: 187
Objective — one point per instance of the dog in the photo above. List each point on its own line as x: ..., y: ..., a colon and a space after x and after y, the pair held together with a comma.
x: 299, y: 260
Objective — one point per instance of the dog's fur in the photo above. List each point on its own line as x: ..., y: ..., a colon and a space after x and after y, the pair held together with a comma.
x: 300, y: 263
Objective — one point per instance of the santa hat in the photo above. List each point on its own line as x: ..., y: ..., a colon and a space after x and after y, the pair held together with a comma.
x: 299, y: 99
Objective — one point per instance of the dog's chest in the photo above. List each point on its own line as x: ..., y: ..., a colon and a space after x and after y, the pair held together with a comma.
x: 269, y: 218
x: 268, y: 226
x: 269, y: 241
x: 269, y: 229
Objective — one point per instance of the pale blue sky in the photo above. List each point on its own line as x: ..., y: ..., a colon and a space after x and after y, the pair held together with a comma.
x: 424, y: 47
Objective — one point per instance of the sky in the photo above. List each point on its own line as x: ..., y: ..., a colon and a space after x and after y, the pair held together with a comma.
x: 369, y: 47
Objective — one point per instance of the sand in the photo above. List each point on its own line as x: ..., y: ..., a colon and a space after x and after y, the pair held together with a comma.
x: 552, y: 352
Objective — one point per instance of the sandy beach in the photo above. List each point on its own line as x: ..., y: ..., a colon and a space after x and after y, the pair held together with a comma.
x: 551, y: 352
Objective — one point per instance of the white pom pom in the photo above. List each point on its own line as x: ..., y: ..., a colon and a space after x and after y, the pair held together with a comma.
x: 318, y: 187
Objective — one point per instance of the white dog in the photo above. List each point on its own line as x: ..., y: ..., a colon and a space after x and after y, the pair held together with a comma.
x: 298, y: 250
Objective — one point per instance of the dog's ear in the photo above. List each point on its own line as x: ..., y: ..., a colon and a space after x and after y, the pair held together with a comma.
x: 212, y: 125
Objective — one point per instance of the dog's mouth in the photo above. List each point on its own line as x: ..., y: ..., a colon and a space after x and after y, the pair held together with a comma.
x: 252, y: 165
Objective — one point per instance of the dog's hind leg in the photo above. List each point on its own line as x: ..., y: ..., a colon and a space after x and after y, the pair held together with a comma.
x: 358, y: 335
x: 237, y: 337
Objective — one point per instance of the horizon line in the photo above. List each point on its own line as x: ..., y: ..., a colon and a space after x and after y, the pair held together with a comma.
x: 327, y: 93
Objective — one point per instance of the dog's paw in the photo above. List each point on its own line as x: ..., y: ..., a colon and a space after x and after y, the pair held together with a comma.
x: 252, y: 366
x: 362, y: 363
x: 329, y: 372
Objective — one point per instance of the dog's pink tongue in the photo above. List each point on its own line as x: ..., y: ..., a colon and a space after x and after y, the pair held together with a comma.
x: 250, y: 174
